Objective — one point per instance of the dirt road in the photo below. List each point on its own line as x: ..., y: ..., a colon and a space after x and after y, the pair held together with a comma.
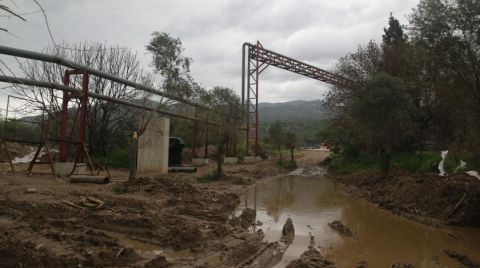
x: 148, y: 222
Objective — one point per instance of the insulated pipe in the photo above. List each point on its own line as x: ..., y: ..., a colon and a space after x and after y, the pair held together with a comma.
x: 243, y: 72
x: 182, y: 169
x: 74, y: 65
x: 78, y: 92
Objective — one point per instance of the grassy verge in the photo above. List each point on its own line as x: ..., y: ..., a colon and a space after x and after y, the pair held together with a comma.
x: 288, y: 164
x: 119, y: 158
x: 209, y: 177
x: 411, y: 162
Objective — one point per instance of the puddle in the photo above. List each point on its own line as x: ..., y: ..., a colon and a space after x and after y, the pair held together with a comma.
x: 313, y: 202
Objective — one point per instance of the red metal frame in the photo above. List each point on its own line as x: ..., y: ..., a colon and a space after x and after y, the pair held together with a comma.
x: 83, y: 115
x: 258, y: 59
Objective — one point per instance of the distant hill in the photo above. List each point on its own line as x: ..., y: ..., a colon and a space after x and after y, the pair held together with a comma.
x: 298, y: 110
x: 305, y: 118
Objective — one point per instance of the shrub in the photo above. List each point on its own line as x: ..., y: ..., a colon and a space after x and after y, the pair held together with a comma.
x: 417, y: 162
x: 209, y: 177
x: 288, y: 164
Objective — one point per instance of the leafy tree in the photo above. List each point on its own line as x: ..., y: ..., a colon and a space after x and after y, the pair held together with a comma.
x: 276, y: 135
x: 381, y: 116
x: 396, y: 50
x: 169, y: 61
x: 291, y: 143
x: 229, y: 110
x: 446, y: 35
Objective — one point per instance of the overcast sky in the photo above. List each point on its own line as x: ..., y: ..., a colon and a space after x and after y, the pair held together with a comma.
x: 212, y: 32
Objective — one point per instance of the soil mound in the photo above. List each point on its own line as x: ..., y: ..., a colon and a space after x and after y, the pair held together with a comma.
x: 311, y: 259
x: 462, y: 258
x: 424, y: 197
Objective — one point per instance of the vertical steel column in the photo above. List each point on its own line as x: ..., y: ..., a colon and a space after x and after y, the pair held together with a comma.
x: 243, y: 73
x: 194, y: 136
x: 6, y: 118
x: 83, y: 114
x: 206, y: 139
x: 64, y: 119
x: 247, y: 143
x: 256, y: 100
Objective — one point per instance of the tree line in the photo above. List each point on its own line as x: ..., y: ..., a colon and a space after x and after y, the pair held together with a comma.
x: 418, y: 89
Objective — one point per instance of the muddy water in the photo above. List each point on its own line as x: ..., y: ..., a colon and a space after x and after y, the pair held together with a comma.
x: 381, y: 237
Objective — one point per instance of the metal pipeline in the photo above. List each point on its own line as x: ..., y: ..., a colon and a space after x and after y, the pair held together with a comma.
x: 78, y: 92
x: 74, y: 65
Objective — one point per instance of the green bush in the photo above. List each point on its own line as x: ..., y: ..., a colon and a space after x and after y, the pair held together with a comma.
x: 288, y: 164
x: 209, y: 177
x: 452, y: 161
x: 241, y: 152
x: 417, y: 162
x: 119, y: 158
x: 348, y: 165
x: 411, y: 162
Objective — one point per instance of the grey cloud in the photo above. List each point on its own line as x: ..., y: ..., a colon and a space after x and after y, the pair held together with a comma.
x: 315, y: 31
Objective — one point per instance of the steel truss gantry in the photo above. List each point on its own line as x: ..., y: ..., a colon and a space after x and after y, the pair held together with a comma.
x: 255, y: 59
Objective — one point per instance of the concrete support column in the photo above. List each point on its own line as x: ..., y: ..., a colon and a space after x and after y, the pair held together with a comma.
x: 153, y: 147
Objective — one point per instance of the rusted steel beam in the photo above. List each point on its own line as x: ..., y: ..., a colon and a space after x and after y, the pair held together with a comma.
x: 284, y: 62
x: 64, y: 119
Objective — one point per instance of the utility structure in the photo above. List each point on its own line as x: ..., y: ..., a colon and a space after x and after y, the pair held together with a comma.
x: 83, y: 94
x: 255, y: 59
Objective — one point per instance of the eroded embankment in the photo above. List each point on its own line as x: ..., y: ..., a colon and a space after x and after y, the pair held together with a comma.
x: 428, y: 198
x: 142, y: 223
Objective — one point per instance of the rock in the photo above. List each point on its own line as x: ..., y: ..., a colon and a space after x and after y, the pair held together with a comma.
x: 288, y: 232
x: 158, y: 262
x: 397, y: 264
x: 462, y: 258
x: 341, y: 228
x: 362, y: 264
x: 127, y: 254
x: 311, y: 259
x: 31, y: 191
x: 246, y: 219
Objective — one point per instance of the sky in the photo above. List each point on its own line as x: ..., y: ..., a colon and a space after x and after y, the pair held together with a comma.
x: 212, y: 31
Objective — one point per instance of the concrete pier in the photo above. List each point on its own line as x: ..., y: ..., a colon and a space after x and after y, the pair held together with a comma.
x: 230, y: 160
x: 251, y: 159
x: 153, y: 147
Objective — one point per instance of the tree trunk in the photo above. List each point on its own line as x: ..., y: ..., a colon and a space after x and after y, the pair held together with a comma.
x: 291, y: 154
x: 223, y: 140
x: 134, y: 154
x: 280, y: 153
x: 385, y: 161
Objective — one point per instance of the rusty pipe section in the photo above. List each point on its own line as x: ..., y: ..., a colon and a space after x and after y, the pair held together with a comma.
x: 89, y: 179
x: 78, y: 93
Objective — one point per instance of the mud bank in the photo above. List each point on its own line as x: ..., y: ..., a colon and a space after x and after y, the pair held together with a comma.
x: 427, y: 198
x: 146, y: 222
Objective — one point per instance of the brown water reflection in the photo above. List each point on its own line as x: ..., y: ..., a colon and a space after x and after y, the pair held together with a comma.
x: 313, y: 202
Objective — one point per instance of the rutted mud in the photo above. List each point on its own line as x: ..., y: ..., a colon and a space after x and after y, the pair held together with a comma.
x: 148, y: 222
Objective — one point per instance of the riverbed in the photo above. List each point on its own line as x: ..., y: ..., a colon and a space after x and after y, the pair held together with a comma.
x: 380, y: 237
